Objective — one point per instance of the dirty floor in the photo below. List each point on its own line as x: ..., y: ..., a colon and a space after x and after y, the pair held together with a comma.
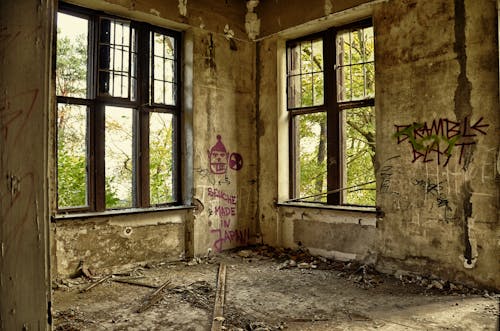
x: 269, y: 289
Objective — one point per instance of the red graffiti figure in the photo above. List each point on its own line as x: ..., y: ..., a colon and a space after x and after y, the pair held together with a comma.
x: 218, y: 157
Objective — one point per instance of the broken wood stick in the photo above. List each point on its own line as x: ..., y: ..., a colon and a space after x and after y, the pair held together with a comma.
x: 153, y: 298
x: 133, y: 282
x: 220, y: 293
x: 102, y: 280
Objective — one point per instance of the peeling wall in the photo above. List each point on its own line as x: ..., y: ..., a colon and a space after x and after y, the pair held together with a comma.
x: 438, y: 191
x: 280, y: 15
x: 224, y: 143
x: 219, y: 155
x: 24, y: 102
x: 437, y: 66
x: 107, y: 244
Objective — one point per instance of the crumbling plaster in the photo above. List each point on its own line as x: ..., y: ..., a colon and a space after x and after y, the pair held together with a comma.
x: 436, y: 62
x: 218, y: 109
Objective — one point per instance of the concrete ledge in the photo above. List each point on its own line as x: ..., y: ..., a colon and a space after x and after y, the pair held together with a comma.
x: 340, y: 234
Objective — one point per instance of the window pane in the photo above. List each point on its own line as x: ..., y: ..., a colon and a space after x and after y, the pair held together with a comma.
x: 344, y: 80
x: 159, y: 91
x: 293, y: 57
x: 306, y: 57
x: 318, y: 98
x: 72, y: 175
x: 370, y: 80
x: 161, y: 154
x: 307, y: 91
x: 115, y: 58
x: 163, y: 67
x: 359, y: 151
x: 310, y: 163
x: 118, y: 157
x: 358, y: 81
x: 294, y: 93
x: 355, y: 64
x: 368, y: 44
x: 305, y: 74
x: 72, y: 56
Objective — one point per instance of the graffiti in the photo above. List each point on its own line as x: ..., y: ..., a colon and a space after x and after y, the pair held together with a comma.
x: 225, y: 235
x: 437, y: 141
x: 205, y: 173
x: 386, y: 174
x: 235, y: 161
x: 227, y: 197
x: 434, y: 189
x: 10, y: 115
x: 429, y: 186
x: 220, y: 159
x: 224, y: 213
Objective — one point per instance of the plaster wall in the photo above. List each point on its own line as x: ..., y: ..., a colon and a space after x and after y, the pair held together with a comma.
x: 24, y: 107
x: 280, y: 15
x: 218, y: 115
x: 107, y: 244
x: 224, y: 118
x: 437, y: 66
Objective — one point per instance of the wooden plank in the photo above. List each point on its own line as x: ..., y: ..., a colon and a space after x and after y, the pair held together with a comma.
x: 218, y: 317
x: 102, y: 280
x: 134, y: 282
x: 154, y: 297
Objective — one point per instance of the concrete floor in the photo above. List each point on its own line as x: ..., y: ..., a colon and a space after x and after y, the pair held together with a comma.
x: 265, y: 292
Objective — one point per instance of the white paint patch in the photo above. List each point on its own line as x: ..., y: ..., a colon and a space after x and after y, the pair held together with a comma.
x: 228, y: 33
x: 154, y: 12
x: 127, y: 231
x: 328, y: 7
x: 182, y: 7
x: 252, y: 22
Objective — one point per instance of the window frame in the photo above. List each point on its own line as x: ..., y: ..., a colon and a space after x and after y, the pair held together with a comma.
x: 334, y: 124
x: 141, y: 108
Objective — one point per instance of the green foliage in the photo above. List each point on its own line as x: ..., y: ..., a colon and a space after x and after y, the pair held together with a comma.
x: 359, y: 136
x: 71, y: 180
x: 71, y: 66
x: 161, y: 165
x: 72, y: 155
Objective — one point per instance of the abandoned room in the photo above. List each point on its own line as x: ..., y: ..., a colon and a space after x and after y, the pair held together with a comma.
x: 249, y: 165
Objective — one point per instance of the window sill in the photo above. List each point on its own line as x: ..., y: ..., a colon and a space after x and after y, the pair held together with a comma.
x: 86, y: 215
x: 358, y: 209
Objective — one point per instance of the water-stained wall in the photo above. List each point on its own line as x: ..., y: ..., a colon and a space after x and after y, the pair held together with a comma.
x: 437, y: 138
x: 437, y: 144
x: 25, y: 48
x: 218, y: 157
x: 224, y: 145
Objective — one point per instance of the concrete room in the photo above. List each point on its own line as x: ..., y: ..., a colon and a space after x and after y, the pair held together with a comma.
x: 340, y: 157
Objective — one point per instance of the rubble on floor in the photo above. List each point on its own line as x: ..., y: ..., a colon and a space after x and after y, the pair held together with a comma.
x: 268, y: 289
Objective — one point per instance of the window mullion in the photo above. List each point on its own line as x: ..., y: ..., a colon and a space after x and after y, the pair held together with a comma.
x: 142, y: 169
x: 99, y: 150
x: 334, y: 162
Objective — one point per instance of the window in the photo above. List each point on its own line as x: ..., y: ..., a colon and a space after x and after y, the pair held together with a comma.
x: 330, y: 100
x: 118, y: 112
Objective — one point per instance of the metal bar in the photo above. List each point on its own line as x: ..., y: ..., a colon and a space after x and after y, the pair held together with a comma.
x: 331, y: 191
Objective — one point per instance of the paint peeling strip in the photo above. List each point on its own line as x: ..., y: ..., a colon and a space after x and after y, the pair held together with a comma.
x: 182, y: 7
x: 154, y: 12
